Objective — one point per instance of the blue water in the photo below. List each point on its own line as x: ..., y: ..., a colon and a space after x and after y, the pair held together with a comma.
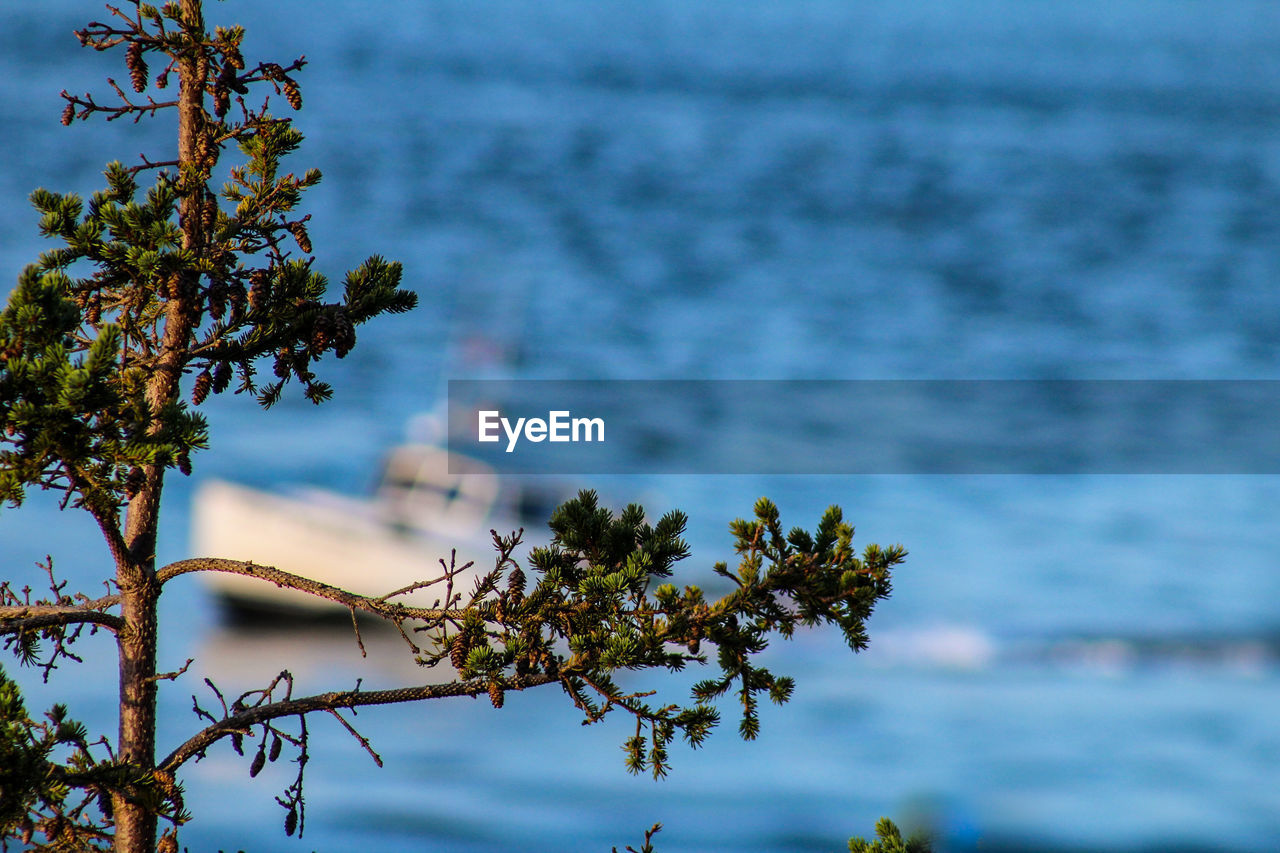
x: 990, y: 189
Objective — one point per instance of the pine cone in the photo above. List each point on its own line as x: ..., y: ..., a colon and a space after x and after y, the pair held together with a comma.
x: 283, y: 359
x: 458, y: 652
x: 515, y: 581
x: 167, y: 784
x: 259, y: 761
x: 299, y: 232
x: 137, y: 66
x: 68, y: 113
x: 344, y: 333
x: 322, y: 334
x: 201, y: 389
x: 495, y: 694
x: 257, y: 288
x: 221, y: 377
x: 294, y: 97
x: 216, y: 294
x: 221, y: 101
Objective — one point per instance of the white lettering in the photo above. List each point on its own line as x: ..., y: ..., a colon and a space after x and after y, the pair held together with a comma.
x: 558, y: 427
x: 512, y: 434
x: 489, y: 421
x: 587, y: 425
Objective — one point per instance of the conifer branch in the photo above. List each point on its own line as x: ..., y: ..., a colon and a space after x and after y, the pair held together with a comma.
x: 18, y: 619
x: 380, y: 606
x: 244, y: 720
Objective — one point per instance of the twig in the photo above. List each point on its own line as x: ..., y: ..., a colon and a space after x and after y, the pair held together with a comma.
x: 384, y: 609
x: 171, y: 676
x: 242, y: 720
x: 377, y: 759
x: 355, y: 624
x: 405, y: 590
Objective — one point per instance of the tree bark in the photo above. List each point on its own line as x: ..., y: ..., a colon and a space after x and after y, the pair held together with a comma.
x: 136, y: 825
x: 135, y: 830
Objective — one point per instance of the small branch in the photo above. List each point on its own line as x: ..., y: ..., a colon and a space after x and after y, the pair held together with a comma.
x: 170, y: 676
x: 417, y: 585
x: 26, y: 617
x: 83, y: 106
x: 355, y: 626
x: 364, y: 741
x: 242, y: 720
x: 110, y: 526
x: 271, y: 71
x: 150, y: 164
x: 377, y: 606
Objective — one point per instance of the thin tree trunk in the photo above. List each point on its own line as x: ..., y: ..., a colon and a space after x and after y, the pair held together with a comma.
x: 139, y: 589
x: 135, y: 825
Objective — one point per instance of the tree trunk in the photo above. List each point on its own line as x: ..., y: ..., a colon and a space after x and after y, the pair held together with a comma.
x: 136, y: 826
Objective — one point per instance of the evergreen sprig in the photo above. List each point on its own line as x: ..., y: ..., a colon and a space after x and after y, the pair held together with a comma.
x: 889, y: 840
x: 55, y: 794
x: 601, y: 606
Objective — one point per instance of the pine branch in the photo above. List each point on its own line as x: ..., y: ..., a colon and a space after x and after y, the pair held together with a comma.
x: 380, y: 606
x: 239, y: 722
x: 16, y: 620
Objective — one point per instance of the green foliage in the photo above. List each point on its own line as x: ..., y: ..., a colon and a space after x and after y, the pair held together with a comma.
x: 154, y: 299
x: 73, y: 418
x: 600, y: 606
x: 64, y: 805
x: 147, y: 288
x: 889, y: 840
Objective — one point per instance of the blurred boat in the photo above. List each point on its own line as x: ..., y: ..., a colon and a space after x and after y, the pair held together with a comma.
x: 429, y: 503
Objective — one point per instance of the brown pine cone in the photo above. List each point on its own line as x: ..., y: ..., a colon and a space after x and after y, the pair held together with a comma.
x: 458, y: 652
x: 344, y: 333
x: 137, y: 67
x: 257, y: 288
x: 299, y: 232
x: 201, y: 390
x: 322, y: 334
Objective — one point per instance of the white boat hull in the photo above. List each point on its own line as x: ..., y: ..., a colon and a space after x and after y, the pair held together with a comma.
x: 342, y: 542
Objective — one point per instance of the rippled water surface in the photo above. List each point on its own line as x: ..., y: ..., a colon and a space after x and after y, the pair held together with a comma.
x: 915, y: 190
